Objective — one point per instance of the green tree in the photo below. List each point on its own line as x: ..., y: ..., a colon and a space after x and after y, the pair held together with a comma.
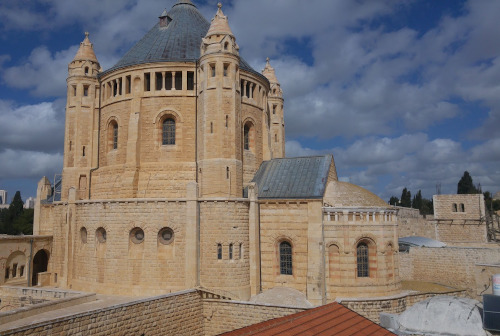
x: 406, y: 198
x: 466, y: 186
x: 394, y: 200
x: 417, y: 202
x: 15, y: 219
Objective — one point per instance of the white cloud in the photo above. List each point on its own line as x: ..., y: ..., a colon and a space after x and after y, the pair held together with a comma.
x: 44, y: 72
x: 37, y: 127
x: 29, y: 164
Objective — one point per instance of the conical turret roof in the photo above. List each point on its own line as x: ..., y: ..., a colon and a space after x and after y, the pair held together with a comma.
x: 86, y: 51
x: 220, y: 24
x: 269, y: 72
x: 179, y: 41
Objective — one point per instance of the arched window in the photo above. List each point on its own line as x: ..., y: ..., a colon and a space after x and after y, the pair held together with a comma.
x: 113, y: 135
x: 230, y: 251
x: 246, y: 137
x: 454, y: 208
x: 462, y: 207
x: 362, y: 260
x: 168, y: 132
x: 219, y: 251
x: 286, y: 258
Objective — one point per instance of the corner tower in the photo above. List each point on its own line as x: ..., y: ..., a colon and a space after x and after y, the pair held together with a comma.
x: 219, y: 112
x: 275, y: 102
x: 80, y: 139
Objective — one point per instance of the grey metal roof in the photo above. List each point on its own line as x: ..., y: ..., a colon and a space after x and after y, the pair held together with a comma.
x: 302, y: 177
x: 179, y: 41
x: 420, y: 241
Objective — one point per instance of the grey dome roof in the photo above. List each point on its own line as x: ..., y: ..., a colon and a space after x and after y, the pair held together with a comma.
x: 179, y: 41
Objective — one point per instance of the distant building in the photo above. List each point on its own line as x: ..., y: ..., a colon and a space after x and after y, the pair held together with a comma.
x: 3, y: 199
x: 30, y: 203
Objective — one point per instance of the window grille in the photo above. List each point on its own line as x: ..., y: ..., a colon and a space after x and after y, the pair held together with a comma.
x: 168, y: 136
x: 285, y: 258
x: 246, y: 137
x: 115, y: 136
x: 362, y: 259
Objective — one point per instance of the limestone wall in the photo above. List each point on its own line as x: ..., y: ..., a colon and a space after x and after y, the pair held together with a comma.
x: 120, y: 265
x: 225, y: 223
x: 411, y: 223
x: 470, y: 207
x: 179, y: 314
x: 372, y: 307
x: 343, y: 231
x: 452, y: 266
x: 223, y: 316
x: 461, y: 231
x: 284, y: 221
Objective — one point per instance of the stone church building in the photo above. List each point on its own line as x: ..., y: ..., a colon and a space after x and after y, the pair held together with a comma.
x: 175, y: 177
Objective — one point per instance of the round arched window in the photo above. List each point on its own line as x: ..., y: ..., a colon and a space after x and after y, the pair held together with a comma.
x: 83, y: 235
x: 101, y: 235
x: 137, y: 235
x: 166, y: 236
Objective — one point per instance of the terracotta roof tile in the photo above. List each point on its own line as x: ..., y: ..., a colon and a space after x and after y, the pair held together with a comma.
x: 330, y: 319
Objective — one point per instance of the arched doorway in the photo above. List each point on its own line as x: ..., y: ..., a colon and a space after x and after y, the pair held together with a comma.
x: 40, y: 262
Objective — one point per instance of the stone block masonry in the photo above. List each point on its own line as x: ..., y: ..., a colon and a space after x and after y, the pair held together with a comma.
x: 173, y: 314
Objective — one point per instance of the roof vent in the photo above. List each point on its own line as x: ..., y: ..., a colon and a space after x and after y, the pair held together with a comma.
x: 164, y: 19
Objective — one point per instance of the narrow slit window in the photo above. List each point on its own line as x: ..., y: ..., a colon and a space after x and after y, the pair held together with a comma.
x: 115, y: 136
x: 190, y: 80
x: 178, y: 80
x: 226, y: 70
x: 227, y: 173
x: 128, y: 84
x: 274, y: 109
x: 227, y: 121
x: 21, y: 271
x: 120, y: 81
x: 74, y: 90
x: 168, y: 81
x: 212, y: 70
x: 286, y: 258
x: 83, y: 151
x: 219, y: 251
x: 86, y: 70
x: 159, y: 80
x: 115, y: 88
x: 7, y: 272
x: 231, y: 251
x: 147, y: 82
x: 85, y: 90
x: 241, y: 251
x: 14, y: 270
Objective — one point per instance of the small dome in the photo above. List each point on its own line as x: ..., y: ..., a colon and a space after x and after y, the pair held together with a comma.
x: 343, y: 194
x: 282, y: 296
x: 443, y: 315
x: 86, y: 51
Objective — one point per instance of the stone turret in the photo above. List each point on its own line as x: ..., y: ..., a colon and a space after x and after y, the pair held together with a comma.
x: 80, y: 141
x: 275, y: 103
x: 219, y: 118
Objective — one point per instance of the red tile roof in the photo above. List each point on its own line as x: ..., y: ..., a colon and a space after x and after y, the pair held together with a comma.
x: 330, y: 319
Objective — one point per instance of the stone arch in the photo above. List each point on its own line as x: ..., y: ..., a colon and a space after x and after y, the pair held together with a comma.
x: 249, y: 134
x: 40, y: 265
x: 334, y: 269
x: 169, y: 136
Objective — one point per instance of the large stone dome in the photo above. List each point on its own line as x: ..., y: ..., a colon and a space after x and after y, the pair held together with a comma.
x: 177, y: 41
x: 343, y: 194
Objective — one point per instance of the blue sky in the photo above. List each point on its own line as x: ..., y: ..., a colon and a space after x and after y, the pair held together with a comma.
x: 404, y: 93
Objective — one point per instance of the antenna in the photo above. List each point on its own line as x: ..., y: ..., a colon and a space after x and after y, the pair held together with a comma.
x: 438, y: 188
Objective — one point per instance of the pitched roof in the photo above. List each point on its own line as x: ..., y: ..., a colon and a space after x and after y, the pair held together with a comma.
x: 302, y: 177
x: 179, y: 41
x: 330, y: 319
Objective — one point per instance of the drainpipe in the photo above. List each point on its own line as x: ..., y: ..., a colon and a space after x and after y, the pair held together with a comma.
x: 98, y: 137
x: 324, y: 257
x: 29, y: 262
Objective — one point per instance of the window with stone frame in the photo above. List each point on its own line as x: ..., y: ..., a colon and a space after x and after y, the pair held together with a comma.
x: 286, y: 266
x: 230, y: 251
x: 363, y: 266
x: 168, y: 132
